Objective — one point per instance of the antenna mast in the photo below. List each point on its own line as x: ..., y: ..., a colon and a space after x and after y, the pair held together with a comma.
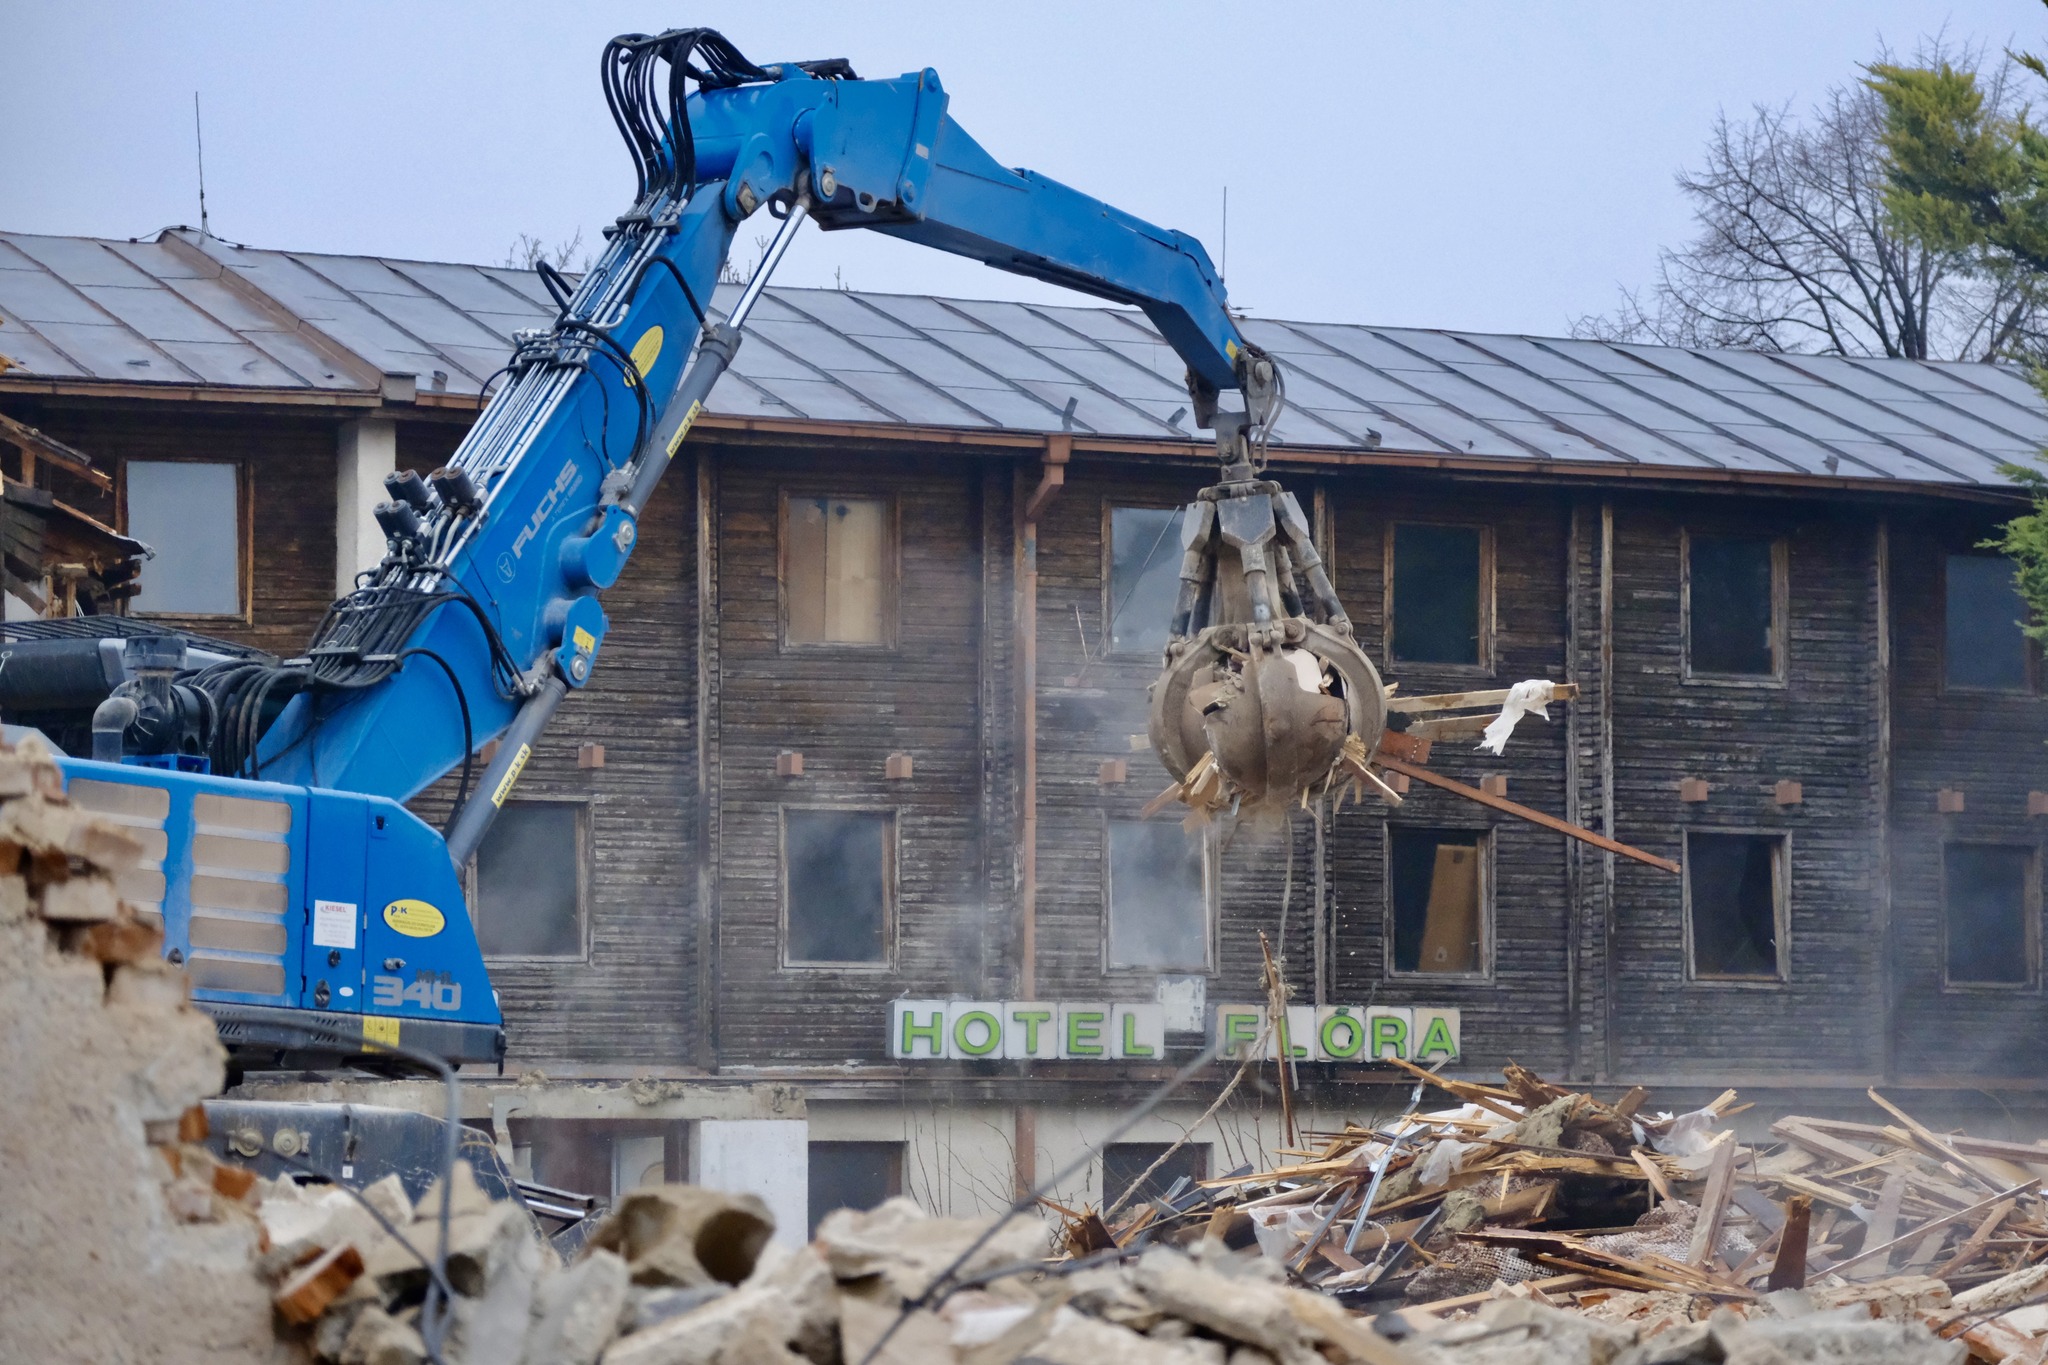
x: 199, y: 140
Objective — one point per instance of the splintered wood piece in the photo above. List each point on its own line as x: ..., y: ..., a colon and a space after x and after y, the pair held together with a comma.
x: 1657, y: 1181
x: 1627, y: 1105
x: 1973, y: 1245
x: 1534, y: 817
x: 1884, y: 1221
x: 1436, y: 728
x: 1789, y: 1270
x: 1930, y: 1140
x: 1706, y: 1229
x: 1934, y: 1223
x: 1459, y: 701
x: 1408, y: 745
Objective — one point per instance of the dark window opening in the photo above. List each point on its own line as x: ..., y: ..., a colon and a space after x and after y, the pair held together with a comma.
x: 1144, y: 577
x: 1158, y: 896
x: 190, y: 514
x: 1731, y: 618
x: 1985, y: 893
x: 1438, y: 583
x: 1436, y: 884
x: 528, y: 897
x: 1985, y: 646
x: 1735, y: 893
x: 838, y: 874
x: 853, y: 1175
x: 836, y: 570
x: 1124, y: 1162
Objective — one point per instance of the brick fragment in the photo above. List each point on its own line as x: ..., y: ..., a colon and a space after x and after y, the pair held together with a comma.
x: 120, y: 940
x: 80, y: 900
x: 233, y: 1182
x: 306, y: 1295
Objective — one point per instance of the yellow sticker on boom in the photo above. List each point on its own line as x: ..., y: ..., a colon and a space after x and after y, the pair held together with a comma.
x: 380, y: 1028
x: 414, y: 919
x: 511, y: 774
x: 585, y: 641
x: 689, y: 419
x: 646, y: 351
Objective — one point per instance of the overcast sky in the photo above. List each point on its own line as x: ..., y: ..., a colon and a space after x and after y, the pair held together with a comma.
x: 1493, y: 167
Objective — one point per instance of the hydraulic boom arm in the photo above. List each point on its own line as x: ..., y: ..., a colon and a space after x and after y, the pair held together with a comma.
x: 484, y: 614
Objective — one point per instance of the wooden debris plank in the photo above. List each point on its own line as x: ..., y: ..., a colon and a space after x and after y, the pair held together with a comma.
x: 1930, y: 1139
x: 1801, y: 1134
x: 1448, y: 727
x: 1655, y: 1176
x: 1788, y: 1271
x: 1458, y: 701
x: 1884, y: 1222
x: 1973, y: 1245
x: 1960, y: 1214
x: 1462, y: 1089
x: 1452, y: 1305
x: 1534, y: 817
x: 1706, y: 1228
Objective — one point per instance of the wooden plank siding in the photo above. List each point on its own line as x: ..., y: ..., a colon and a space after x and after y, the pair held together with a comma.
x: 1587, y: 970
x: 1742, y: 738
x: 1989, y: 746
x: 1519, y: 1010
x: 846, y: 708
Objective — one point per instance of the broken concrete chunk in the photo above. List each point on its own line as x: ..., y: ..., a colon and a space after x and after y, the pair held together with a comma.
x: 377, y: 1338
x: 495, y: 1288
x: 682, y: 1235
x: 1521, y: 1332
x: 576, y: 1311
x: 647, y: 1305
x: 388, y: 1197
x: 1243, y: 1310
x: 1076, y: 1339
x: 896, y: 1239
x: 151, y: 984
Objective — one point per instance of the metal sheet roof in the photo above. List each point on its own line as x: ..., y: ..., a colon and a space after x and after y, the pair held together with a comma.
x: 191, y: 310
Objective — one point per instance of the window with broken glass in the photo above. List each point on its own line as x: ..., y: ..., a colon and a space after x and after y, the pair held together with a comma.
x: 853, y: 1175
x: 1159, y: 896
x: 1984, y: 646
x: 1736, y: 886
x: 1989, y: 913
x: 838, y: 886
x: 527, y: 881
x: 1143, y: 577
x: 190, y: 514
x: 1438, y: 594
x: 1437, y: 896
x: 1733, y: 592
x: 838, y: 559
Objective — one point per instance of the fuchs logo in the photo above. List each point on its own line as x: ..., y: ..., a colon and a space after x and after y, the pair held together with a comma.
x: 565, y: 482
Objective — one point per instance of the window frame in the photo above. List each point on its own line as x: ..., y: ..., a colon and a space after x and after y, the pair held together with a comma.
x: 1781, y: 923
x: 1212, y: 906
x: 2030, y: 911
x: 585, y: 852
x: 1487, y: 842
x: 2031, y: 649
x: 892, y: 566
x: 1110, y: 507
x: 1781, y: 611
x: 892, y: 855
x: 245, y: 539
x: 1487, y: 663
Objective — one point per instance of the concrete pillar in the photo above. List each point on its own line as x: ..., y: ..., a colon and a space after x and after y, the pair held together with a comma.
x: 366, y: 451
x: 767, y: 1157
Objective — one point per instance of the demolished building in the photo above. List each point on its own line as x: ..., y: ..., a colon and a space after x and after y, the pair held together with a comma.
x: 861, y: 747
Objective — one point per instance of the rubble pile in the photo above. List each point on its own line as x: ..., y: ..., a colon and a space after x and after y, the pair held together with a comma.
x: 1651, y: 1223
x: 118, y: 1242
